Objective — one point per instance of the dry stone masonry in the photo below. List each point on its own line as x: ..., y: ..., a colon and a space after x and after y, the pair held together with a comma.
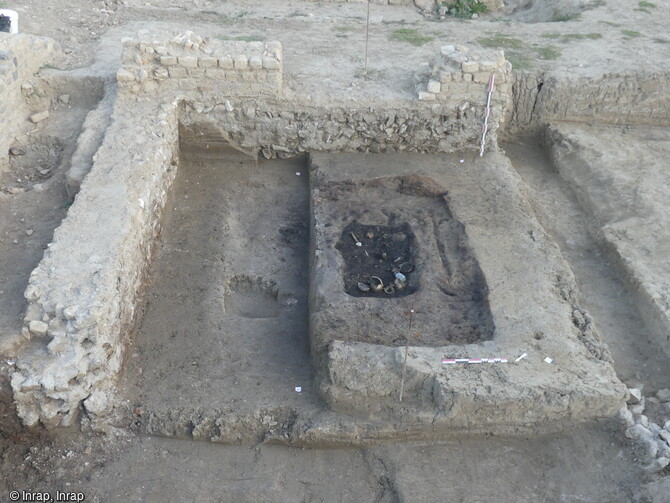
x: 21, y: 56
x: 191, y: 63
x: 460, y: 78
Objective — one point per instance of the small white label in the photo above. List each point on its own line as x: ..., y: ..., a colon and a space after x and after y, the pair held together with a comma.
x: 298, y: 389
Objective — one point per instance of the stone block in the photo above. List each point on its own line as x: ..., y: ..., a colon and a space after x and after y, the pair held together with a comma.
x: 426, y: 96
x: 446, y: 50
x: 487, y: 66
x: 39, y: 117
x: 226, y: 63
x: 270, y: 64
x: 161, y: 50
x: 168, y: 60
x: 161, y: 73
x: 215, y: 73
x: 232, y: 76
x: 470, y: 67
x: 241, y: 62
x: 207, y: 62
x: 38, y: 328
x: 445, y: 77
x: 196, y: 73
x: 481, y: 77
x: 433, y: 86
x: 177, y: 72
x: 255, y: 63
x: 188, y: 61
x: 466, y: 77
x: 248, y: 76
x: 188, y: 84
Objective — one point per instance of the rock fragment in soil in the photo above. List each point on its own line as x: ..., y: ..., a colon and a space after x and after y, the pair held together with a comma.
x: 39, y: 117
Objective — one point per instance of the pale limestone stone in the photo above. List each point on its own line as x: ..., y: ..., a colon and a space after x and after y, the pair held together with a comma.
x: 39, y: 117
x: 241, y: 62
x: 168, y: 60
x: 70, y: 313
x: 161, y: 73
x: 446, y: 50
x: 663, y: 395
x: 255, y: 63
x: 38, y: 327
x: 226, y: 63
x: 635, y: 396
x: 445, y: 77
x: 433, y: 86
x: 207, y: 62
x: 215, y: 73
x: 188, y: 61
x: 426, y: 96
x: 470, y: 67
x: 270, y: 64
x: 177, y: 72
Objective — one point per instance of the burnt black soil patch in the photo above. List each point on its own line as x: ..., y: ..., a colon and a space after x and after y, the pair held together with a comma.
x: 384, y: 248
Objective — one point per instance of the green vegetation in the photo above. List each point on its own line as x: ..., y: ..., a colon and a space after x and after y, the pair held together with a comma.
x: 500, y: 40
x: 552, y: 35
x: 345, y: 28
x: 581, y: 36
x: 548, y: 52
x: 631, y: 33
x: 610, y: 23
x: 646, y: 5
x: 411, y: 36
x: 250, y: 38
x: 519, y: 61
x: 562, y: 18
x: 660, y: 40
x: 3, y: 5
x: 241, y: 14
x: 464, y: 9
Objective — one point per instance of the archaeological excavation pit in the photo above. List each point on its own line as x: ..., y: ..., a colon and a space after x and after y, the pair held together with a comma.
x: 225, y: 290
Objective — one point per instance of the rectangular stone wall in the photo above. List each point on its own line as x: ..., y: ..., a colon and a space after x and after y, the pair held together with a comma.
x: 21, y: 56
x: 82, y: 295
x: 191, y: 63
x: 460, y: 78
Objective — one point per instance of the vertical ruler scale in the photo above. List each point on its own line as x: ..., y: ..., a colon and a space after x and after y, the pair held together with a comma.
x: 486, y: 115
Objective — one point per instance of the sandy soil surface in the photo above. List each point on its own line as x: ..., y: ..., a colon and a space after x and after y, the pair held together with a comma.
x: 324, y: 46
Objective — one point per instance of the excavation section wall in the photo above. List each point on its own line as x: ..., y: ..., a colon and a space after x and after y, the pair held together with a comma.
x: 625, y: 188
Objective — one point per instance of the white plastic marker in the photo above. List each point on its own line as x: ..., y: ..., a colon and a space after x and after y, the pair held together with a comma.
x: 13, y: 20
x: 298, y: 389
x: 453, y: 361
x: 521, y: 357
x: 486, y: 116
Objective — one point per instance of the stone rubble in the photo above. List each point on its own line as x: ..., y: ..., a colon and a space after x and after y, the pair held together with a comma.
x: 653, y: 439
